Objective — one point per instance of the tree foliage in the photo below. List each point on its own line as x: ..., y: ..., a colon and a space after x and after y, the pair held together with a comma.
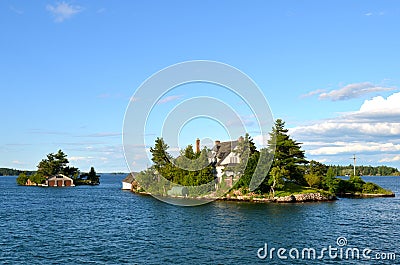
x: 313, y: 180
x: 90, y: 178
x: 160, y: 156
x: 316, y: 168
x: 277, y: 178
x: 365, y: 170
x: 189, y: 169
x: 22, y: 179
x: 330, y: 182
x: 288, y: 153
x: 52, y: 165
x: 249, y: 158
x: 13, y: 172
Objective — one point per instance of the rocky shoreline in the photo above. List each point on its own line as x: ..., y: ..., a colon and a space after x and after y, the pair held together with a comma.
x: 297, y: 198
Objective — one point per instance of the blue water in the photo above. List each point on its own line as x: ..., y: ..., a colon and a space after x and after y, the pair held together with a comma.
x: 105, y: 225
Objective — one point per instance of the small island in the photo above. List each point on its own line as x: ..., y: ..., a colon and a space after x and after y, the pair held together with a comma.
x: 225, y: 173
x: 54, y: 171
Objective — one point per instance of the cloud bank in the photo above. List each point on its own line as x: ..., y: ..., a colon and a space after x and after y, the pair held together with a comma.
x: 373, y: 131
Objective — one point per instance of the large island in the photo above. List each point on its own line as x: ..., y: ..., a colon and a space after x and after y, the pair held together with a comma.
x: 226, y: 171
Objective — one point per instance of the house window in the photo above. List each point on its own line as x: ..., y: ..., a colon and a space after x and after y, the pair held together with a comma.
x: 234, y: 160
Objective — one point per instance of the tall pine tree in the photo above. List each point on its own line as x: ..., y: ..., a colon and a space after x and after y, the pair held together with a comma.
x: 288, y: 154
x: 161, y: 158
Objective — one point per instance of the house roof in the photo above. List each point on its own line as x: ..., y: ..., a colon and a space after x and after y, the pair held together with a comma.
x: 223, y: 149
x: 130, y: 178
x: 59, y: 176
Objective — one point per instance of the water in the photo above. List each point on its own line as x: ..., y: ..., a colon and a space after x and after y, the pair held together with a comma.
x: 105, y: 225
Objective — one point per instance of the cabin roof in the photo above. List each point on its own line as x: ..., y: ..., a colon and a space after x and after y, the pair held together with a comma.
x: 59, y: 176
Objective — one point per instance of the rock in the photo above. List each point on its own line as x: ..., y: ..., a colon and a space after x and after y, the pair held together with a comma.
x: 290, y: 198
x: 311, y: 197
x: 306, y: 197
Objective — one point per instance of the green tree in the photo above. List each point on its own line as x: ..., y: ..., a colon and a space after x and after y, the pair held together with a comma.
x: 288, y: 153
x: 189, y: 169
x: 22, y: 179
x: 160, y: 156
x: 330, y: 182
x: 357, y: 183
x: 313, y: 180
x: 189, y: 153
x: 245, y: 179
x: 316, y: 168
x: 93, y: 177
x: 249, y: 156
x: 52, y: 165
x: 276, y: 180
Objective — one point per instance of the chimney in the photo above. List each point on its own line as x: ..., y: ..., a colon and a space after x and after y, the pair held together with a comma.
x: 197, y: 145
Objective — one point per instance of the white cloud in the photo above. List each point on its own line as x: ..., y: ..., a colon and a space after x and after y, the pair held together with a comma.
x: 80, y: 158
x: 349, y: 91
x: 379, y: 104
x: 17, y: 162
x: 362, y: 147
x: 62, y: 11
x: 381, y: 13
x: 342, y: 127
x: 169, y: 99
x: 390, y: 159
x: 261, y: 141
x: 373, y: 130
x: 323, y: 160
x: 313, y: 93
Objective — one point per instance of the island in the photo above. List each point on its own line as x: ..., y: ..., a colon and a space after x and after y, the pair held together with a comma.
x: 54, y: 171
x: 225, y: 173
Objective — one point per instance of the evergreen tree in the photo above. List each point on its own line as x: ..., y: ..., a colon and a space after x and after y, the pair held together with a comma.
x: 247, y: 151
x: 288, y: 154
x: 93, y: 177
x: 316, y: 168
x: 160, y: 157
x: 189, y: 153
x: 248, y: 173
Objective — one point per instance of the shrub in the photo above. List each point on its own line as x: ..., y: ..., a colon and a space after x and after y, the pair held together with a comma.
x: 357, y: 182
x: 370, y: 187
x: 312, y: 180
x: 22, y: 179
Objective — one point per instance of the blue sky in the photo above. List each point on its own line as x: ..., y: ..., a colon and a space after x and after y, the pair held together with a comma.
x: 330, y: 69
